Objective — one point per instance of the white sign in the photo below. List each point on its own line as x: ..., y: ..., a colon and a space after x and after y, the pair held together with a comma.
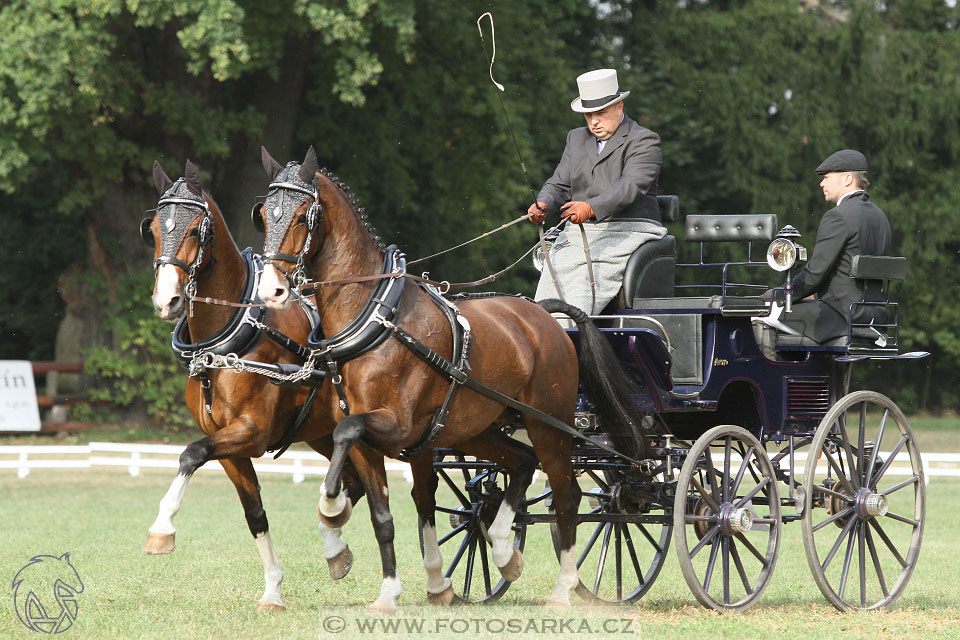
x: 18, y: 397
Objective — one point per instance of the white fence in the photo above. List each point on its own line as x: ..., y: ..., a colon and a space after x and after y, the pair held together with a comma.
x: 296, y: 463
x: 300, y: 464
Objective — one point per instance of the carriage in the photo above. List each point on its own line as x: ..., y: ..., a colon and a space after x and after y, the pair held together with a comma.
x: 723, y: 410
x: 750, y: 430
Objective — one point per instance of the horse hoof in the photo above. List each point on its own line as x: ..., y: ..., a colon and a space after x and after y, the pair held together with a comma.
x: 336, y: 521
x: 340, y: 564
x: 159, y: 544
x: 380, y: 609
x: 514, y: 567
x: 445, y: 598
x: 270, y: 607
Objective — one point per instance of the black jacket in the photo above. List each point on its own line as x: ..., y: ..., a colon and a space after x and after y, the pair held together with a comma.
x: 854, y: 227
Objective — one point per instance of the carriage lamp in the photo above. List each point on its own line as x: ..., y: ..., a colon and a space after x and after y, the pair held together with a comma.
x: 785, y: 253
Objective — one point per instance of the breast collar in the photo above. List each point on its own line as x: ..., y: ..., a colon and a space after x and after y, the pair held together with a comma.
x: 366, y: 332
x: 238, y: 335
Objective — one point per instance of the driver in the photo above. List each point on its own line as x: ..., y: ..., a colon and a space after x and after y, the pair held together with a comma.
x: 855, y: 226
x: 607, y: 181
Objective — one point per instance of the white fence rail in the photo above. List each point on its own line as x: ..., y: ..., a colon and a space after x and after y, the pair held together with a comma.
x: 135, y: 457
x: 300, y: 464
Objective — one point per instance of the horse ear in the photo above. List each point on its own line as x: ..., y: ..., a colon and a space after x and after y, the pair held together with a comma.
x: 308, y: 169
x: 192, y: 174
x: 271, y: 166
x: 160, y: 179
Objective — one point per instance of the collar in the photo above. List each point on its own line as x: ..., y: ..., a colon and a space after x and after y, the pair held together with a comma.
x: 855, y: 192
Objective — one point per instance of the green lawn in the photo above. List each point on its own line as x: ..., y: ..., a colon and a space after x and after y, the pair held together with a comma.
x: 209, y: 586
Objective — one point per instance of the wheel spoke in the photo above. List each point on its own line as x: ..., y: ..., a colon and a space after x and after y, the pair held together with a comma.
x: 590, y: 543
x: 835, y: 494
x: 848, y: 452
x: 706, y: 540
x: 485, y: 567
x: 841, y: 475
x: 836, y: 545
x: 743, y: 469
x: 876, y: 448
x: 710, y: 565
x: 888, y: 462
x: 839, y: 514
x: 886, y: 541
x: 459, y: 554
x: 453, y: 487
x: 747, y: 498
x: 646, y: 534
x: 453, y: 532
x: 706, y: 496
x: 600, y: 481
x: 739, y: 564
x: 861, y: 437
x: 897, y: 487
x: 711, y: 472
x: 725, y: 549
x: 876, y: 562
x: 861, y: 548
x: 628, y: 542
x: 468, y: 576
x: 847, y: 556
x: 725, y: 493
x: 752, y: 549
x: 618, y: 553
x: 904, y: 519
x: 602, y: 562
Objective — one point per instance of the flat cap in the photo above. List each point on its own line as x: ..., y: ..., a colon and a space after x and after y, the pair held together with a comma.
x: 844, y: 160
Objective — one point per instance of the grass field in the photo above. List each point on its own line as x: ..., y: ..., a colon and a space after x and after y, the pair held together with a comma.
x: 209, y: 586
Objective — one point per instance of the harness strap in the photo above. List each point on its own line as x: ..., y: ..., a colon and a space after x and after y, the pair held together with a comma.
x: 593, y: 281
x: 294, y: 429
x: 442, y: 365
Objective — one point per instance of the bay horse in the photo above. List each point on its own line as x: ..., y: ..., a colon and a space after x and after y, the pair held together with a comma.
x: 393, y: 395
x: 241, y: 413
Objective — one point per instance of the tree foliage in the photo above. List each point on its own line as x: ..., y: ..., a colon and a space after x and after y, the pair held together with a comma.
x: 747, y: 95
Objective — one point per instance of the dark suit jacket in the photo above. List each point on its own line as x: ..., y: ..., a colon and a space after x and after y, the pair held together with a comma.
x: 619, y: 182
x: 855, y: 227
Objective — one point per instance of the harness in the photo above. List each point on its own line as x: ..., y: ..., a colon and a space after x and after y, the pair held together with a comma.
x: 280, y: 207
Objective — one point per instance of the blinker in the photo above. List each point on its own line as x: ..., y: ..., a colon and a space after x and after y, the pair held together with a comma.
x: 256, y: 216
x: 146, y: 234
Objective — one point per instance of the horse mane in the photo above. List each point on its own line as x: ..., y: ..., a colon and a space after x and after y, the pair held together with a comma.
x: 354, y: 203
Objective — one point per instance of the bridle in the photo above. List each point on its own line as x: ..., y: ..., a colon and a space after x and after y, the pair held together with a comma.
x: 180, y: 204
x: 279, y: 206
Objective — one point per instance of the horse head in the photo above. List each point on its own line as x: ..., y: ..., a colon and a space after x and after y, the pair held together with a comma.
x: 181, y: 231
x: 298, y: 216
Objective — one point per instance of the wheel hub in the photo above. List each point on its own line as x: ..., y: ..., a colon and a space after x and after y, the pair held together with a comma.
x: 734, y: 520
x: 870, y: 504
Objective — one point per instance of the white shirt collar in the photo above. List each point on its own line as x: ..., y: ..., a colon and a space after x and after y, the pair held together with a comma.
x: 847, y: 194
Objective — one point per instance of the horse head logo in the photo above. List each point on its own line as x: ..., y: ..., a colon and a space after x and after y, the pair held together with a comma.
x: 45, y: 593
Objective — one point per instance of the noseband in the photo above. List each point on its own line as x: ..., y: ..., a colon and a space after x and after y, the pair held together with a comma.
x: 278, y: 209
x: 181, y: 203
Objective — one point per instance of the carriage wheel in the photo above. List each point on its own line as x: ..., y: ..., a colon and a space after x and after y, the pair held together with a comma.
x: 725, y: 521
x: 865, y: 559
x: 468, y: 514
x: 619, y: 560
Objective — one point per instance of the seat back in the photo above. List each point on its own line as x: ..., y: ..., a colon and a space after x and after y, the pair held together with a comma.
x: 650, y: 270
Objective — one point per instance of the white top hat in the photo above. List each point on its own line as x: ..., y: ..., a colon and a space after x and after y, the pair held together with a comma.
x: 598, y: 89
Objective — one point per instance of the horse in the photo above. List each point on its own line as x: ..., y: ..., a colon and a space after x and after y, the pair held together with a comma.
x: 242, y: 413
x: 398, y: 402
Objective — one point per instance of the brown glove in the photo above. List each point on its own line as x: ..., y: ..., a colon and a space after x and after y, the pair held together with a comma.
x: 577, y: 212
x: 537, y: 212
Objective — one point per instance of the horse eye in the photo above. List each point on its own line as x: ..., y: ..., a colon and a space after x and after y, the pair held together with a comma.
x: 301, y: 219
x: 194, y: 232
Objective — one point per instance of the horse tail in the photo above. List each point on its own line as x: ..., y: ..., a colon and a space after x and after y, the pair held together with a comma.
x: 609, y: 388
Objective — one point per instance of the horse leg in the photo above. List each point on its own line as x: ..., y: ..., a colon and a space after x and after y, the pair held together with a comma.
x: 336, y: 551
x: 162, y: 533
x: 333, y: 502
x: 553, y: 450
x: 439, y: 588
x: 520, y: 462
x: 244, y: 478
x: 369, y: 465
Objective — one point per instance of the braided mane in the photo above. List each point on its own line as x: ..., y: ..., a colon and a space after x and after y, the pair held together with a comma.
x: 352, y: 199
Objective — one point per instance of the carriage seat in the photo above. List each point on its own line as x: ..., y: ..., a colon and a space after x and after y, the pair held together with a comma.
x: 870, y: 317
x: 650, y: 270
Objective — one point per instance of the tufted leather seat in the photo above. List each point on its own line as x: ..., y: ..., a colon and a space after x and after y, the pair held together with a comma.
x: 730, y: 227
x: 650, y: 270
